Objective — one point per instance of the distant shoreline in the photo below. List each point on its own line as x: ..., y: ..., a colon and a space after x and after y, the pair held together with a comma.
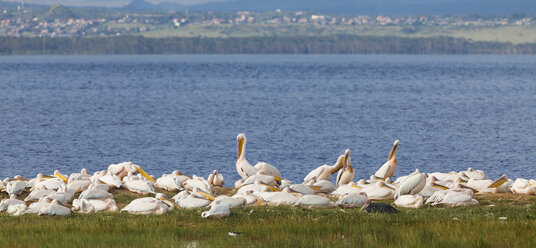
x: 339, y: 44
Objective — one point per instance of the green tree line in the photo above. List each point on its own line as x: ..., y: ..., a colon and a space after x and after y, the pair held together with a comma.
x: 342, y: 44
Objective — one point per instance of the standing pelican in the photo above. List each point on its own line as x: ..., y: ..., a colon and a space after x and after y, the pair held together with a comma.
x: 388, y: 169
x: 215, y: 179
x: 346, y: 174
x: 324, y: 172
x: 244, y: 168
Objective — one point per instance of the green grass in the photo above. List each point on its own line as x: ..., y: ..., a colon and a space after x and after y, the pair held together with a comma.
x: 478, y: 226
x: 513, y: 34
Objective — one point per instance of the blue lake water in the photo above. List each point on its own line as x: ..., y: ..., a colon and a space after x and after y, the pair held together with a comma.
x: 298, y: 112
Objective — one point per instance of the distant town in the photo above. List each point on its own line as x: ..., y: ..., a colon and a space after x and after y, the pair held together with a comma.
x: 61, y: 21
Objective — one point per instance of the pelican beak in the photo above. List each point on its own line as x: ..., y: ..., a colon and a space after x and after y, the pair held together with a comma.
x: 467, y: 187
x: 208, y: 196
x: 339, y: 166
x: 260, y: 203
x: 278, y: 178
x: 271, y: 188
x: 439, y: 186
x: 387, y: 186
x: 170, y: 202
x: 314, y: 187
x: 62, y: 177
x: 144, y: 174
x: 240, y: 144
x: 48, y: 177
x: 355, y: 186
x: 498, y: 182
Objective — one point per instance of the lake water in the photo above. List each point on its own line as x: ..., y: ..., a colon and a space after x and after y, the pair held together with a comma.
x: 298, y: 112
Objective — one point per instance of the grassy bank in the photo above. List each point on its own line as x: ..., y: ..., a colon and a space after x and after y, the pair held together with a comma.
x: 500, y: 220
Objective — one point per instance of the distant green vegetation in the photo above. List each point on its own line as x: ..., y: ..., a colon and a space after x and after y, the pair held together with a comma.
x: 501, y: 220
x: 513, y: 34
x: 338, y: 44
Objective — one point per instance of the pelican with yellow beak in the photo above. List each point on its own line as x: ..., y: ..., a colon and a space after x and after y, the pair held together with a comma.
x: 388, y: 168
x: 324, y: 172
x: 244, y: 168
x: 346, y: 174
x: 121, y: 170
x: 159, y: 205
x: 379, y: 191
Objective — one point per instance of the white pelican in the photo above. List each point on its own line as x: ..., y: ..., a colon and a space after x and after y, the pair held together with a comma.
x: 250, y: 198
x: 38, y: 194
x: 431, y: 187
x: 379, y: 191
x: 195, y: 199
x: 16, y: 210
x: 94, y: 206
x: 303, y: 189
x: 215, y: 179
x: 410, y: 201
x: 78, y: 186
x: 263, y: 177
x: 15, y: 187
x: 324, y: 172
x: 64, y: 178
x: 138, y: 186
x: 452, y: 198
x: 257, y: 187
x: 121, y: 170
x: 99, y: 185
x: 232, y: 202
x: 346, y: 174
x: 217, y: 210
x: 62, y: 195
x: 388, y: 168
x: 171, y: 182
x: 284, y: 198
x: 474, y: 174
x: 93, y: 193
x: 312, y: 201
x: 285, y: 183
x: 352, y: 200
x: 323, y: 186
x: 4, y: 204
x: 159, y: 204
x: 55, y: 208
x: 522, y: 186
x: 35, y: 207
x: 486, y: 185
x: 197, y: 182
x: 244, y: 168
x: 83, y: 175
x: 347, y: 189
x: 413, y: 184
x: 111, y: 179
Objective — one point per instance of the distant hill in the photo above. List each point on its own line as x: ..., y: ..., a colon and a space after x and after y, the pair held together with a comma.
x: 370, y: 7
x: 142, y: 5
x: 61, y: 12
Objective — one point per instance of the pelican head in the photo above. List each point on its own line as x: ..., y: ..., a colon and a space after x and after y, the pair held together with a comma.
x: 392, y: 154
x: 143, y: 173
x: 499, y: 181
x: 241, y: 144
x: 166, y: 200
x: 204, y: 194
x: 338, y: 165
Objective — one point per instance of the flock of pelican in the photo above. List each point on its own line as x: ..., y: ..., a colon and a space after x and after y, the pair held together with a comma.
x: 261, y: 184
